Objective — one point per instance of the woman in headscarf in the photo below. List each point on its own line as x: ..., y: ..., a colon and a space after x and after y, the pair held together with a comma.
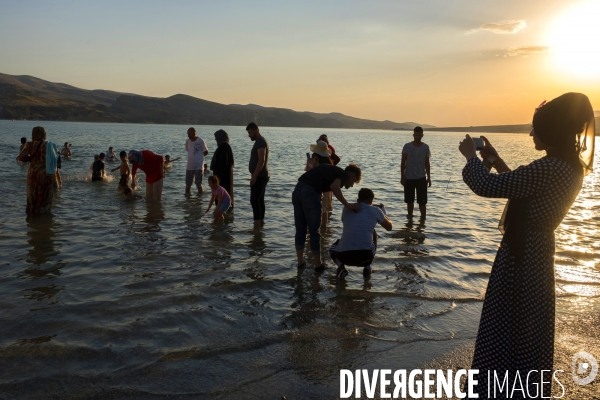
x: 154, y: 167
x: 222, y: 162
x: 39, y: 182
x: 516, y: 330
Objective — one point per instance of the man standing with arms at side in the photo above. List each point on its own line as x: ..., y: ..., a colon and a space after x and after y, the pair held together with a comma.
x: 197, y: 150
x: 258, y: 167
x: 415, y: 173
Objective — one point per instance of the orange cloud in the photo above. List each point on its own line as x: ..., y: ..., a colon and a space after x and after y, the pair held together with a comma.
x: 505, y: 27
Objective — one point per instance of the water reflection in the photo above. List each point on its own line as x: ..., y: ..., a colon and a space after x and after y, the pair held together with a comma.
x: 41, y: 235
x: 155, y: 214
x: 219, y: 247
x: 330, y: 333
x: 257, y: 244
x: 192, y: 213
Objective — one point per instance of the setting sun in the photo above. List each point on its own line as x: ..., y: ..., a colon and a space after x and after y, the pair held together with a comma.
x: 574, y: 38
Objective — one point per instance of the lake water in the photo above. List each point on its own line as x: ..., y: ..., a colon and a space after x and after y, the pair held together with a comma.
x: 108, y: 298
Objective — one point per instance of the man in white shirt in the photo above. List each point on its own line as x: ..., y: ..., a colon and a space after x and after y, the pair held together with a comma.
x: 197, y: 150
x: 415, y: 173
x: 359, y: 240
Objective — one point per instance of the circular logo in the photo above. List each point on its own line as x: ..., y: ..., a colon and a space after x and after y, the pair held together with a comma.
x: 589, y: 366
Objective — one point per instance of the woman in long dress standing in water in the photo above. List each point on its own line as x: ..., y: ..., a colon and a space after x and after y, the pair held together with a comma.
x: 516, y: 330
x: 39, y: 183
x: 222, y: 162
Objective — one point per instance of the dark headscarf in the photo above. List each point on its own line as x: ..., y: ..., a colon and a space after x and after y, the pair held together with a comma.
x: 221, y: 136
x: 136, y: 157
x: 567, y: 125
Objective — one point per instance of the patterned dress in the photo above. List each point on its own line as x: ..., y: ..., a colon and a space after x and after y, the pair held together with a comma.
x: 39, y: 184
x: 516, y: 330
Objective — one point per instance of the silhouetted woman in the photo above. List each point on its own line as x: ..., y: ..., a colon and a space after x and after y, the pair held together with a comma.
x: 516, y: 330
x: 222, y: 162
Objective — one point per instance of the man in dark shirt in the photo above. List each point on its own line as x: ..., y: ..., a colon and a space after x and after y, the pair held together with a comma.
x: 307, y: 204
x: 258, y: 167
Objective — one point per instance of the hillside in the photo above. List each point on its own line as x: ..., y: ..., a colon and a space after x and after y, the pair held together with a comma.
x: 29, y: 98
x: 523, y: 128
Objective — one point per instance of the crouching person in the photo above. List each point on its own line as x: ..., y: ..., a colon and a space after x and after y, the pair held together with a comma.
x: 359, y: 240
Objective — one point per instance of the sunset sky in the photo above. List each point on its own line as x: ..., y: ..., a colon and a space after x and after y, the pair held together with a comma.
x: 439, y: 62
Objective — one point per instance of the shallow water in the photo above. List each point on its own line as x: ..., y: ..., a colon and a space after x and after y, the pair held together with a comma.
x: 109, y: 297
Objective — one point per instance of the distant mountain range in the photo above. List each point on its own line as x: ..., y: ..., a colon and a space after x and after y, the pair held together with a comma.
x: 25, y: 97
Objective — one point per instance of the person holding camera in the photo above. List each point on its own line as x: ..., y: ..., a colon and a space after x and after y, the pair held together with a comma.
x: 516, y: 330
x: 359, y: 239
x: 415, y: 173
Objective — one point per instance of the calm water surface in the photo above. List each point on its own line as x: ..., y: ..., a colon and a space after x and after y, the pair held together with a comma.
x: 128, y: 299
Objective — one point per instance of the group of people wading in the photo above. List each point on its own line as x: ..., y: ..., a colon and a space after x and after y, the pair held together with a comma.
x: 516, y: 330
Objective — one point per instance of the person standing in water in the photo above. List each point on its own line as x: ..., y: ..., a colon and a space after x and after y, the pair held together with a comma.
x: 197, y: 150
x: 516, y: 328
x: 259, y: 168
x: 23, y: 144
x: 222, y: 162
x: 415, y: 173
x: 39, y: 182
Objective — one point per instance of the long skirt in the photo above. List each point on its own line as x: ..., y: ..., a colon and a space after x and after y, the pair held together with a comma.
x: 39, y: 190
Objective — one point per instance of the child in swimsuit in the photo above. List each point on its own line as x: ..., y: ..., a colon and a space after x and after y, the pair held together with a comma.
x: 66, y: 151
x: 220, y: 194
x: 124, y: 171
x: 168, y: 161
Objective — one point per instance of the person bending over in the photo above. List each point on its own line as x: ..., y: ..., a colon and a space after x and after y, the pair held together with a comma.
x: 221, y: 196
x: 359, y: 240
x: 306, y: 199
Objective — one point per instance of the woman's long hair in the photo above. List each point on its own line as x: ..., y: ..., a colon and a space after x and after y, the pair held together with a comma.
x: 567, y: 125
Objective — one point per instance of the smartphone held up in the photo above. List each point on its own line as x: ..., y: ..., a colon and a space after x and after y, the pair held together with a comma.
x: 479, y: 143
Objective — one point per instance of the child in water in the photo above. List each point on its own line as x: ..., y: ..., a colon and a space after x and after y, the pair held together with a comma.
x: 168, y: 161
x: 206, y: 170
x: 66, y: 151
x: 96, y: 158
x: 111, y: 154
x: 220, y: 194
x: 98, y: 171
x: 124, y: 171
